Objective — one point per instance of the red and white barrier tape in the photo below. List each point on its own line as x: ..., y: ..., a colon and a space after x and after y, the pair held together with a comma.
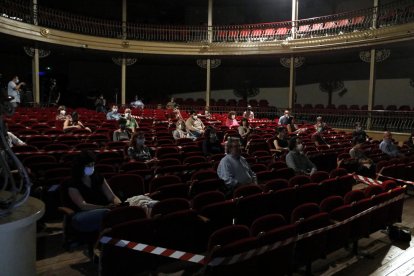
x: 397, y: 179
x: 366, y: 180
x: 201, y: 259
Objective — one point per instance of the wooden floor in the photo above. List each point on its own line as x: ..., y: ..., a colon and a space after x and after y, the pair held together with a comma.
x: 386, y: 257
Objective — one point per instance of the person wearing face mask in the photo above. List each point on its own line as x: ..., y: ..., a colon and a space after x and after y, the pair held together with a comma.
x: 61, y: 114
x: 211, y: 144
x: 248, y: 114
x: 137, y: 150
x: 231, y: 120
x: 359, y: 134
x: 195, y: 127
x: 113, y: 114
x: 90, y: 194
x: 388, y: 147
x: 233, y: 168
x: 297, y: 160
x: 179, y: 132
x: 100, y: 104
x: 122, y: 133
x: 13, y: 90
x: 131, y: 122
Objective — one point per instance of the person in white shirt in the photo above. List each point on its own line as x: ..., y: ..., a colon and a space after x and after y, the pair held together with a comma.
x: 13, y: 90
x: 248, y: 114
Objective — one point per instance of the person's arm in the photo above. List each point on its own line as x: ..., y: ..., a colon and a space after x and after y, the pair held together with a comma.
x: 189, y: 125
x: 15, y: 141
x: 109, y: 193
x: 251, y: 115
x: 109, y: 115
x: 78, y: 199
x: 67, y: 126
x: 115, y: 136
x: 176, y: 135
x: 311, y: 166
x: 277, y: 146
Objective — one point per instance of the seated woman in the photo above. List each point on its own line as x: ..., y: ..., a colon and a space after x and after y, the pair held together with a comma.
x: 122, y: 133
x: 90, y: 194
x: 131, y: 122
x: 281, y: 141
x: 366, y: 165
x: 179, y: 132
x: 244, y: 130
x: 137, y: 150
x: 61, y: 114
x: 211, y: 143
x: 73, y: 122
x: 231, y: 120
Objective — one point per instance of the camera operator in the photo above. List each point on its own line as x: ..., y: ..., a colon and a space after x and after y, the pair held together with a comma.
x: 13, y: 90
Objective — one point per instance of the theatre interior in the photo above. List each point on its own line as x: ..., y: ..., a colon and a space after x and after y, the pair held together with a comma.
x: 206, y: 137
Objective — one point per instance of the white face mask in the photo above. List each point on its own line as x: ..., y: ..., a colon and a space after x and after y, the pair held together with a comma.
x: 17, y: 80
x: 233, y: 116
x: 195, y: 117
x: 299, y: 147
x: 63, y: 112
x: 89, y: 170
x: 115, y: 110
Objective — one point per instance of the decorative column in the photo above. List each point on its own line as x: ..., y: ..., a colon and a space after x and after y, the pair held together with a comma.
x: 292, y: 71
x: 208, y: 64
x: 208, y: 61
x: 35, y: 62
x: 123, y: 63
x: 292, y: 63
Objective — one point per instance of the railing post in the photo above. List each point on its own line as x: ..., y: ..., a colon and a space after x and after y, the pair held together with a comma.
x: 35, y: 62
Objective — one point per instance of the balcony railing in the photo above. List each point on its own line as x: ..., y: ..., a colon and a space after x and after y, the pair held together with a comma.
x: 395, y: 13
x: 380, y: 120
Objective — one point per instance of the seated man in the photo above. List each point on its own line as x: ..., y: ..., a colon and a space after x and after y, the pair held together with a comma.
x: 113, y: 114
x: 297, y: 160
x: 359, y: 134
x: 137, y: 103
x: 388, y: 147
x: 171, y: 104
x: 195, y: 127
x: 285, y: 119
x: 233, y: 168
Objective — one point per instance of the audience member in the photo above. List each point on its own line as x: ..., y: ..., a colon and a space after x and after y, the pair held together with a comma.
x: 122, y: 133
x: 74, y: 123
x: 13, y: 90
x: 281, y: 141
x: 113, y: 114
x: 90, y: 194
x: 13, y: 140
x: 61, y: 114
x: 366, y: 166
x: 137, y: 150
x: 244, y: 130
x: 231, y: 120
x: 179, y: 132
x: 320, y: 127
x: 206, y: 113
x: 131, y: 122
x: 177, y: 113
x: 100, y: 104
x: 233, y: 168
x: 171, y: 104
x: 410, y: 141
x: 388, y: 147
x: 297, y: 160
x: 248, y: 114
x: 211, y: 143
x: 359, y: 134
x: 285, y: 119
x: 195, y: 127
x: 137, y: 103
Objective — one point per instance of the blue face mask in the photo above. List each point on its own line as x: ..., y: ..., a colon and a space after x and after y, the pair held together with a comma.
x: 89, y: 170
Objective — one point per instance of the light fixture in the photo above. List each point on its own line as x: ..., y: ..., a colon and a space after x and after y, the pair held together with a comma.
x: 30, y: 52
x: 128, y: 61
x: 297, y: 61
x: 214, y: 63
x: 380, y: 55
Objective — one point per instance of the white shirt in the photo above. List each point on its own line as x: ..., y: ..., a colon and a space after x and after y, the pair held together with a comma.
x: 12, y: 91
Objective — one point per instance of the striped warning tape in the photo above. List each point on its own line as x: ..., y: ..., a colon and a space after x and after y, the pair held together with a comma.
x: 366, y: 180
x: 397, y: 179
x: 201, y: 259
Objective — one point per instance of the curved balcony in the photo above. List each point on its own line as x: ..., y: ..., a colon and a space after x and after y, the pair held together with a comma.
x: 388, y: 23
